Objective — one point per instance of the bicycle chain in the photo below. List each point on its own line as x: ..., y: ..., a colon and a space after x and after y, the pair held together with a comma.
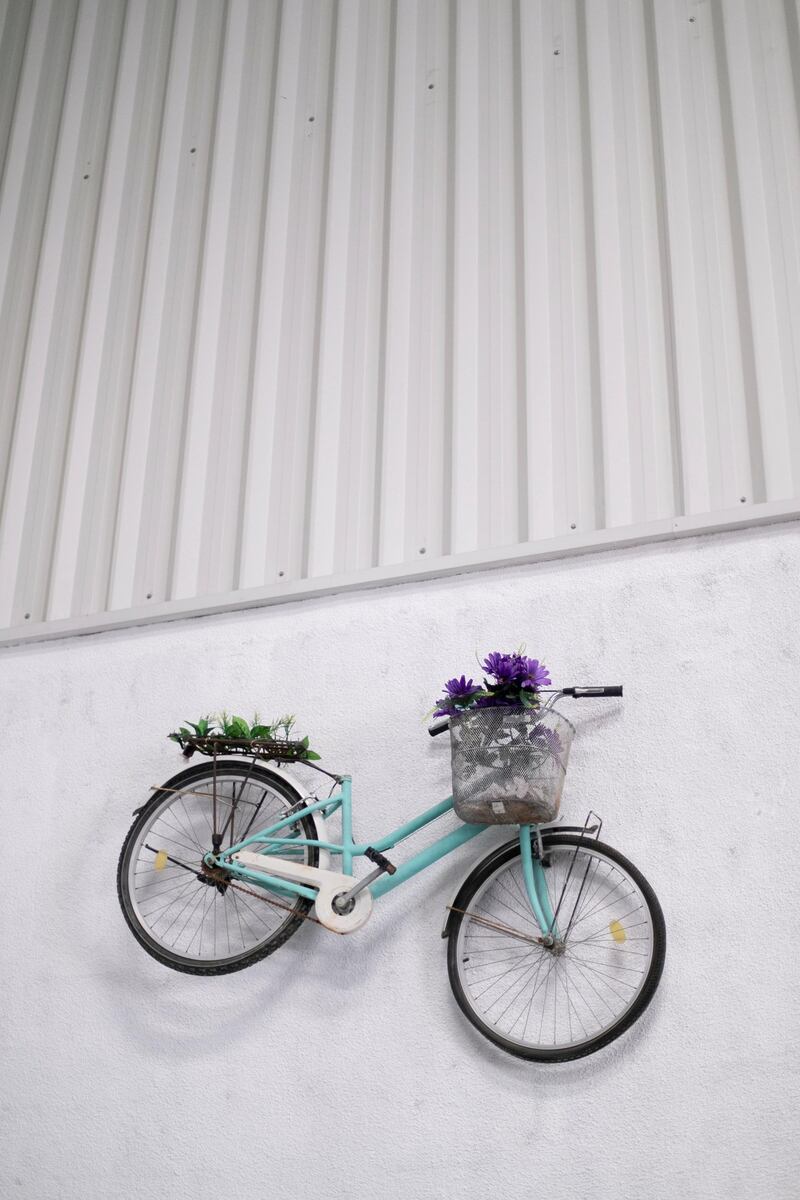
x: 237, y: 887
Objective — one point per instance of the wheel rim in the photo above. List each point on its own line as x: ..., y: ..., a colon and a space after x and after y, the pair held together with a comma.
x: 539, y: 1000
x: 180, y: 914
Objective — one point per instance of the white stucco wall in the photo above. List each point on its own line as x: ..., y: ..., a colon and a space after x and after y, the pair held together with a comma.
x: 342, y: 1067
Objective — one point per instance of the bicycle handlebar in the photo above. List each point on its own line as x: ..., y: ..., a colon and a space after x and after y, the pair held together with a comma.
x: 582, y: 693
x: 576, y: 693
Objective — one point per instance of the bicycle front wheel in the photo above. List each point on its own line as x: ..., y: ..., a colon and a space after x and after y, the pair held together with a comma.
x: 559, y: 1002
x: 191, y: 919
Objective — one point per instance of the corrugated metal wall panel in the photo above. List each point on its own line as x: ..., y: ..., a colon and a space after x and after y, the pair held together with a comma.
x: 302, y: 291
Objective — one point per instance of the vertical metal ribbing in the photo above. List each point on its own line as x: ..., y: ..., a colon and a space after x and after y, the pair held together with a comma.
x: 273, y: 308
x: 361, y: 284
x: 342, y: 470
x: 318, y: 332
x: 414, y: 397
x: 665, y: 258
x: 765, y: 165
x: 791, y: 15
x: 15, y: 22
x: 90, y: 440
x: 251, y: 398
x: 447, y: 465
x: 593, y: 380
x: 486, y: 411
x: 635, y: 399
x: 523, y: 474
x: 143, y: 538
x: 388, y: 178
x: 209, y: 505
x: 396, y: 501
x: 708, y: 344
x: 756, y: 488
x: 28, y: 171
x: 101, y: 534
x: 47, y: 376
x: 192, y: 424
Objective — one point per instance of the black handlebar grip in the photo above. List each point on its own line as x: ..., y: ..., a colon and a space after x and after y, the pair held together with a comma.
x: 583, y: 693
x: 439, y: 727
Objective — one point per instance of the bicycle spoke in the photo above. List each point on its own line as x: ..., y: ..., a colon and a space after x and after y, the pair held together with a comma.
x: 204, y: 920
x: 564, y: 996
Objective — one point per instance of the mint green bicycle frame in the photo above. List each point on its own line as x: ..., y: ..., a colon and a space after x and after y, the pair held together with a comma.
x: 270, y: 840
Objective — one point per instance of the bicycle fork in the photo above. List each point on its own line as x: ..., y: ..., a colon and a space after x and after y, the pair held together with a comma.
x: 536, y: 885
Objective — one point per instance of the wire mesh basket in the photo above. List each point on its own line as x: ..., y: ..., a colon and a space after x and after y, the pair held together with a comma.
x: 509, y: 764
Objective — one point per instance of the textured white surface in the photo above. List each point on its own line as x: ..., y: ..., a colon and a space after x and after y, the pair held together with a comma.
x: 116, y: 1069
x: 298, y: 290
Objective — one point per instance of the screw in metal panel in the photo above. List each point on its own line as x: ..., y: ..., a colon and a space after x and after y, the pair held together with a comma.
x: 422, y: 549
x: 280, y: 573
x: 86, y: 177
x: 743, y: 499
x: 149, y: 595
x: 573, y: 525
x: 556, y: 52
x: 27, y: 616
x: 430, y: 87
x: 311, y: 118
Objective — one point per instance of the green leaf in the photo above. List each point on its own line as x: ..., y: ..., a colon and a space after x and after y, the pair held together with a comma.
x: 262, y: 731
x: 312, y: 755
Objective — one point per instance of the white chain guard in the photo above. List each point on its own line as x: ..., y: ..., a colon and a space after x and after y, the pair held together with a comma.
x: 328, y: 883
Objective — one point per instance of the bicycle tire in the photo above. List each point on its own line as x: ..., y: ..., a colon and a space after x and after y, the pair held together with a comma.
x: 190, y: 781
x: 470, y: 992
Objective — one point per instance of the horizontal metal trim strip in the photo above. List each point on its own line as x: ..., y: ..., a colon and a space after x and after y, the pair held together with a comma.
x: 457, y: 564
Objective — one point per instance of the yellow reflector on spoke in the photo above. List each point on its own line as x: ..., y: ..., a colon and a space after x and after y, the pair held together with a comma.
x: 161, y: 860
x: 617, y: 932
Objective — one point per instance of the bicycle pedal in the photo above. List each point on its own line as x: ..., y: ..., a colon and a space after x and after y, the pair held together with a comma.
x: 380, y: 860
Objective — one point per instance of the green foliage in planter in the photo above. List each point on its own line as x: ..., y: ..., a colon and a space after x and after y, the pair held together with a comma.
x: 222, y: 725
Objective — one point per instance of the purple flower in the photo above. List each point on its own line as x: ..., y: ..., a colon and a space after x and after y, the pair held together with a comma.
x: 503, y: 667
x: 458, y: 689
x: 536, y: 674
x: 516, y: 682
x: 517, y: 669
x: 458, y: 694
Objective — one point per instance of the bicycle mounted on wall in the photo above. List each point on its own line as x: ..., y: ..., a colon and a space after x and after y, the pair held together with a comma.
x: 556, y: 942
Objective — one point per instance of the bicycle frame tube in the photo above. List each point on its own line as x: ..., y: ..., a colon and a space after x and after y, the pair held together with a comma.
x: 271, y: 841
x: 431, y: 854
x: 535, y: 884
x: 347, y: 848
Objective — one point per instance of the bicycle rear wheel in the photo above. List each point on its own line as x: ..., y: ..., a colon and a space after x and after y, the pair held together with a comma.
x: 197, y: 921
x: 552, y: 1004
